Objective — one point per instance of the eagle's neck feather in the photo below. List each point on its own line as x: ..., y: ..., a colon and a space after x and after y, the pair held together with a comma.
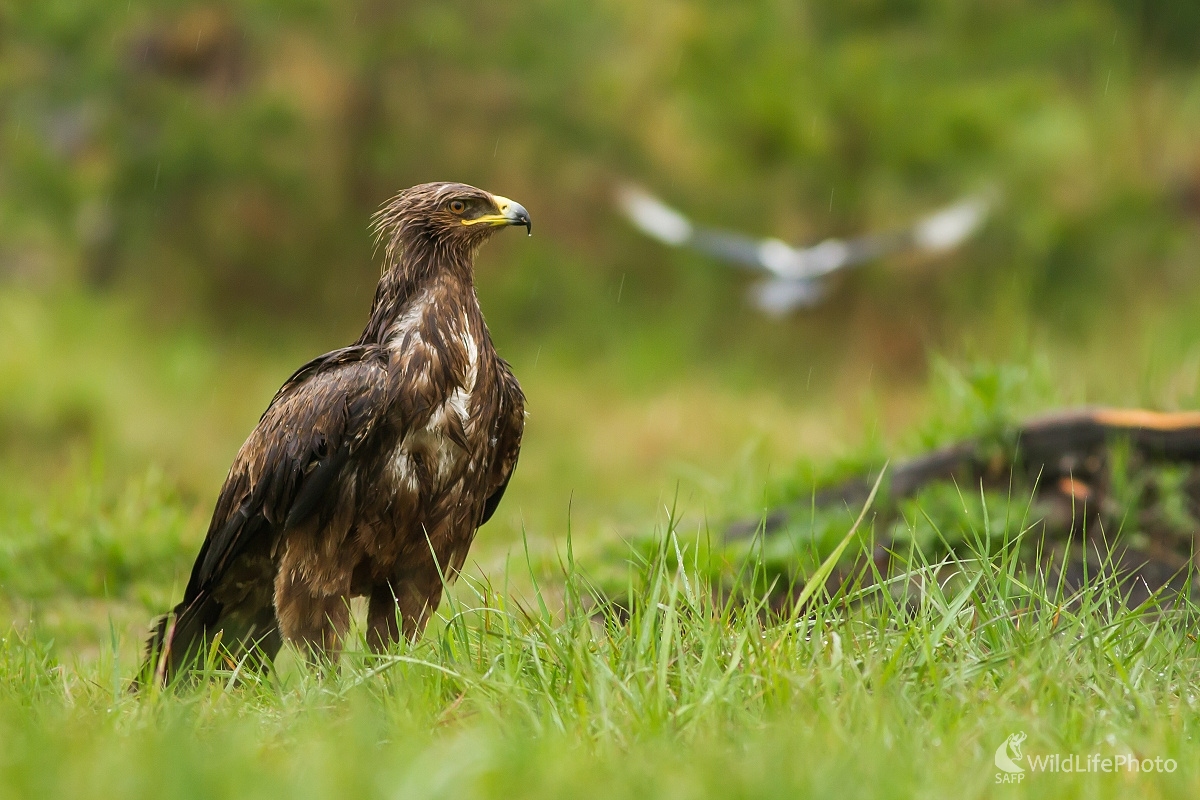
x: 415, y: 269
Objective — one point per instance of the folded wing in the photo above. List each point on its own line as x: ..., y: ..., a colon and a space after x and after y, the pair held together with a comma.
x: 290, y: 469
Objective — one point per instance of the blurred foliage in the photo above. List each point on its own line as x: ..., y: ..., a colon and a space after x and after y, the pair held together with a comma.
x: 83, y: 544
x: 185, y: 187
x: 1167, y: 25
x: 225, y: 156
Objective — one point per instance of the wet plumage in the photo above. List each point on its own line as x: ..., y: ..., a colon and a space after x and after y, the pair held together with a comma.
x: 373, y: 466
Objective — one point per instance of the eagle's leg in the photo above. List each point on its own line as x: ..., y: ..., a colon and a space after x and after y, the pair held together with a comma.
x: 318, y: 622
x: 402, y: 607
x: 418, y: 599
x: 383, y: 618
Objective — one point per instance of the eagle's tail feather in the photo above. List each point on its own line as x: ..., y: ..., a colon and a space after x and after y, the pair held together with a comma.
x: 176, y: 639
x: 201, y: 629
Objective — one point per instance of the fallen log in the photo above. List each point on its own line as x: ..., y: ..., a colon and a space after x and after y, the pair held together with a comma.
x: 1064, y: 461
x: 1050, y: 450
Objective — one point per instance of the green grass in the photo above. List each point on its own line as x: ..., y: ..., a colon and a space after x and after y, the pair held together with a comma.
x: 116, y: 433
x: 555, y: 693
x: 175, y: 239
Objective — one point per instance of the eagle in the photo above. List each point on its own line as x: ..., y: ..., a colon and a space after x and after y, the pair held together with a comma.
x: 374, y: 465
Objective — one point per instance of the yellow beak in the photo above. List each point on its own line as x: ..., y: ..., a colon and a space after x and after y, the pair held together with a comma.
x: 511, y: 213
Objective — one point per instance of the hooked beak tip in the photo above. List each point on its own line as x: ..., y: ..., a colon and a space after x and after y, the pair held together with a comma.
x: 514, y: 213
x: 517, y: 215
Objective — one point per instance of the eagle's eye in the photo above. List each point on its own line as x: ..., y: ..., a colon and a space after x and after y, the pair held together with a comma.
x: 458, y: 206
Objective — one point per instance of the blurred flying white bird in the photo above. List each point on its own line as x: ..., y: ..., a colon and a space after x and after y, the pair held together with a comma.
x: 797, y: 273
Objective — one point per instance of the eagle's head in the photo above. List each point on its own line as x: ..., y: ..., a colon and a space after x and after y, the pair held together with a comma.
x: 445, y: 216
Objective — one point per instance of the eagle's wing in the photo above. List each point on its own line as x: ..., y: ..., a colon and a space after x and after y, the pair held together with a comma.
x: 296, y: 453
x: 293, y: 460
x: 510, y: 427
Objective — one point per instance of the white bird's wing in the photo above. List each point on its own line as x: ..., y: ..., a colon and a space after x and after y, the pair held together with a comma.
x: 797, y: 272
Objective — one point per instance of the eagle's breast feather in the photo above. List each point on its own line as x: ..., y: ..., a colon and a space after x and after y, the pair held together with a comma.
x: 436, y: 449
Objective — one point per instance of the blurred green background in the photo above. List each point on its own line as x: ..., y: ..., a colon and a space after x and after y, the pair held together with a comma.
x: 185, y: 190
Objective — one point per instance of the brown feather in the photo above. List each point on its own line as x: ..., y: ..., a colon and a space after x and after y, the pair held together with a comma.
x: 371, y: 469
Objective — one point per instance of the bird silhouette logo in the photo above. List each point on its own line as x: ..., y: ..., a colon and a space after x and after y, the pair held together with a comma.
x: 1009, y: 753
